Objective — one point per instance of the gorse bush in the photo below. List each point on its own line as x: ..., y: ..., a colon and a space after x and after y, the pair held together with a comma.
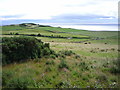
x: 17, y: 49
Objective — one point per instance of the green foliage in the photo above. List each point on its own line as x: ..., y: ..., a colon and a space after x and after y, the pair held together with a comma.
x: 16, y: 49
x: 52, y: 56
x: 48, y: 69
x: 116, y: 67
x: 66, y: 52
x: 6, y: 75
x: 83, y: 66
x: 85, y: 78
x: 39, y: 34
x: 46, y: 75
x: 102, y: 78
x: 16, y: 33
x: 50, y: 62
x: 20, y: 83
x: 77, y: 56
x: 63, y: 64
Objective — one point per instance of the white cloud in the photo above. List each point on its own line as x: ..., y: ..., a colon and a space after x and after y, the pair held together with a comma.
x: 108, y: 18
x: 46, y: 9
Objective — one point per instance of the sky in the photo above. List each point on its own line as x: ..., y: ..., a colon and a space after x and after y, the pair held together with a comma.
x: 59, y: 11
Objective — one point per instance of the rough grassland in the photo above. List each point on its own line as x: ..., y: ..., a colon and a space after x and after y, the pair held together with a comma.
x: 92, y: 65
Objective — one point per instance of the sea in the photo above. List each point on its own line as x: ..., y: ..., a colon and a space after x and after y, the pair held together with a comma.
x: 90, y: 27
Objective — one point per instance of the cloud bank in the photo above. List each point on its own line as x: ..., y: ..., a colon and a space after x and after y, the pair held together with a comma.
x: 61, y: 11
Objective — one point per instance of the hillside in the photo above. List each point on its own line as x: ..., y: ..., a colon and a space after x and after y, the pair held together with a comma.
x: 81, y: 58
x: 68, y: 34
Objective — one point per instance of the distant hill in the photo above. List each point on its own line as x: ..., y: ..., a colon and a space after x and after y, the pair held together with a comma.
x: 32, y: 25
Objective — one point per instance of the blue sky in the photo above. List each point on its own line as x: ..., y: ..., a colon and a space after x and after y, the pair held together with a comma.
x: 59, y: 11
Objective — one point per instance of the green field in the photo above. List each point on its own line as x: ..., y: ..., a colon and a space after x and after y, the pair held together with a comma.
x: 94, y: 64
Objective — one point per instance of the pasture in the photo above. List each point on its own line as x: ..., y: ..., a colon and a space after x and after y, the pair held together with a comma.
x: 93, y: 62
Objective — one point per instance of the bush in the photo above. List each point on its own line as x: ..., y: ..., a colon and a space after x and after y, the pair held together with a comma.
x: 102, y: 78
x: 48, y: 69
x: 63, y: 64
x: 6, y: 75
x: 52, y: 56
x: 20, y: 83
x: 17, y: 49
x: 39, y: 34
x: 66, y: 52
x: 51, y: 62
x: 85, y: 78
x: 84, y: 66
x: 16, y: 33
x: 115, y: 67
x: 77, y: 56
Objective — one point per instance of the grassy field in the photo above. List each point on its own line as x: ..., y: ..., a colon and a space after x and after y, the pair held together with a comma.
x: 94, y: 63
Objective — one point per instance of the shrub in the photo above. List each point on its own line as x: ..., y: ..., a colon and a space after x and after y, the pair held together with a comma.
x: 20, y: 83
x: 39, y: 34
x: 102, y: 78
x: 63, y: 84
x: 84, y: 66
x: 115, y: 69
x: 6, y: 75
x: 77, y: 56
x: 76, y: 74
x: 17, y: 49
x: 52, y: 56
x: 93, y: 51
x: 11, y: 33
x: 63, y: 64
x: 51, y: 62
x: 66, y: 52
x: 16, y: 33
x: 48, y: 69
x: 113, y: 49
x: 102, y: 50
x: 61, y: 55
x: 85, y: 78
